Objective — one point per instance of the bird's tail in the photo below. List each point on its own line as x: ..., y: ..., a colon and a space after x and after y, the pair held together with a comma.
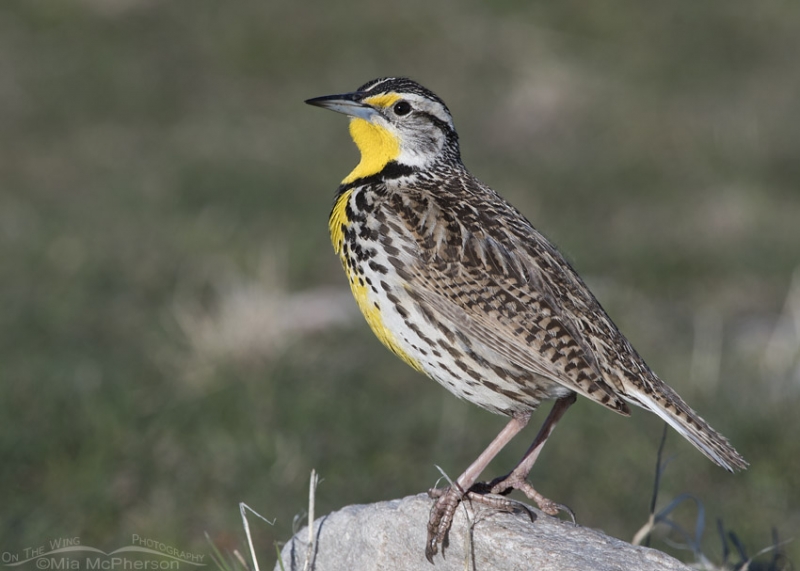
x: 666, y: 403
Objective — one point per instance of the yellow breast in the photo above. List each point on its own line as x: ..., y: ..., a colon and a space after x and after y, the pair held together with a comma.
x: 367, y: 302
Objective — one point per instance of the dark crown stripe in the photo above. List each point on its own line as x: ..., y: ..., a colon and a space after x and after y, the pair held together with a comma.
x: 400, y: 85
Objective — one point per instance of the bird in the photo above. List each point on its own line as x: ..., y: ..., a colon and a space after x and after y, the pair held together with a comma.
x: 457, y: 283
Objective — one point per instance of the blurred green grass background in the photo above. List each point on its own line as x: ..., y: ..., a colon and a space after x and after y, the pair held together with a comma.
x: 177, y: 335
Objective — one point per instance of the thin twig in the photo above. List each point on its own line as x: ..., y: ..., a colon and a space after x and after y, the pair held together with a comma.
x: 647, y: 528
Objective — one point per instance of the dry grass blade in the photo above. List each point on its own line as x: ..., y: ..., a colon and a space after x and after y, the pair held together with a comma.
x: 312, y: 493
x: 242, y: 507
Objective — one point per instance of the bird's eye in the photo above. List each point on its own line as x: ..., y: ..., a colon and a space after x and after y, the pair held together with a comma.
x: 402, y: 108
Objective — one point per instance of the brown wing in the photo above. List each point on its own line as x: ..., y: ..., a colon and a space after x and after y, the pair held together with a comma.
x: 483, y: 269
x: 475, y: 263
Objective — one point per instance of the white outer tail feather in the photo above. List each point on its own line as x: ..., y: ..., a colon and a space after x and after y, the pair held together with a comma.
x: 711, y: 443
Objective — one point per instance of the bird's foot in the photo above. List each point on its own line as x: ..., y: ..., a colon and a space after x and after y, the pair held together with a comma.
x: 441, y: 518
x: 503, y: 486
x: 443, y: 510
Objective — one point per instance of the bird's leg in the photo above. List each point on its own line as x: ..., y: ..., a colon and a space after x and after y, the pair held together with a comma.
x: 517, y: 478
x: 448, y: 498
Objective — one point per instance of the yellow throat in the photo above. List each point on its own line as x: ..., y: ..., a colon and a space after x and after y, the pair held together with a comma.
x: 378, y: 146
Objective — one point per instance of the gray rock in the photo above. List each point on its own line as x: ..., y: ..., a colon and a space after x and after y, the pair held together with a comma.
x: 391, y: 536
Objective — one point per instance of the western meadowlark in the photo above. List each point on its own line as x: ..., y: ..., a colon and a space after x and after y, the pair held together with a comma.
x: 459, y: 285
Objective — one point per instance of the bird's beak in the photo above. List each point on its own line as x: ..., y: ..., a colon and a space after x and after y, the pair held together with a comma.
x: 348, y: 103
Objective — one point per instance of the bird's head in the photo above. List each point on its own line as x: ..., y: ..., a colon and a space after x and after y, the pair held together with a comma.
x: 395, y: 122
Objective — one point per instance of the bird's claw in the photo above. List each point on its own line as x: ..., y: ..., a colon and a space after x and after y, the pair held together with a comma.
x: 441, y: 518
x: 447, y: 501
